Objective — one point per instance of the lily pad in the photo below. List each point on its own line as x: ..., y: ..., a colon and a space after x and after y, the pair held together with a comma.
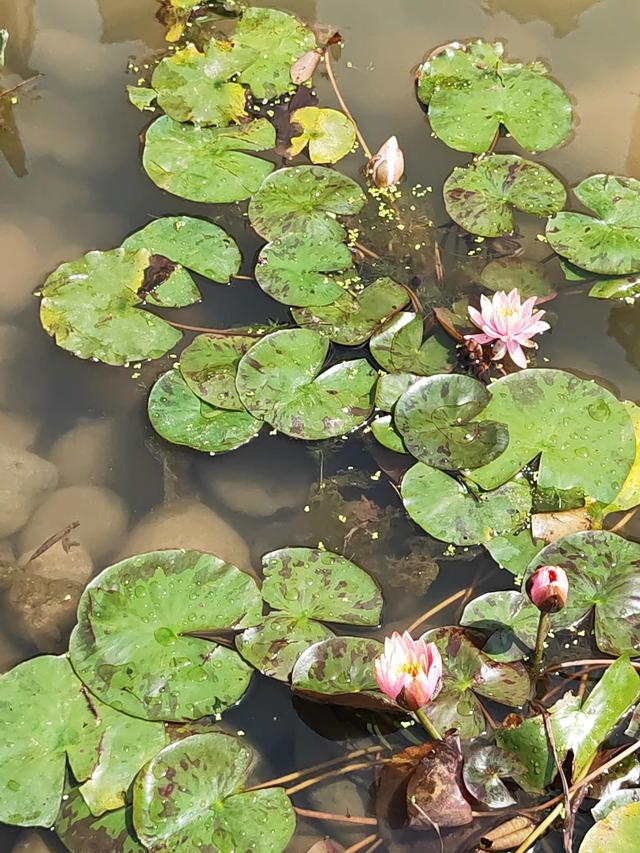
x: 352, y: 323
x: 629, y: 494
x: 527, y: 276
x: 621, y: 797
x: 193, y: 243
x: 279, y: 381
x: 385, y: 432
x: 608, y: 242
x: 584, y: 435
x: 391, y: 386
x: 626, y: 287
x: 619, y: 830
x: 181, y: 417
x: 305, y: 198
x: 435, y: 417
x: 89, y: 306
x: 190, y: 797
x: 514, y: 551
x: 294, y: 269
x: 408, y: 350
x: 329, y: 134
x: 603, y: 571
x: 82, y: 832
x: 481, y: 198
x: 380, y: 343
x: 483, y: 772
x: 511, y: 619
x: 449, y: 511
x: 467, y: 675
x: 471, y: 91
x: 209, y: 364
x: 207, y: 164
x: 142, y: 97
x: 131, y: 646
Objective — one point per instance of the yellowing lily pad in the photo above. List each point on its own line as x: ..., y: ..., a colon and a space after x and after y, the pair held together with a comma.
x: 329, y: 134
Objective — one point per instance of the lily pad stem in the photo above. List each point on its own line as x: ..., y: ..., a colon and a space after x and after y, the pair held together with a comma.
x: 345, y: 108
x: 206, y: 330
x: 427, y: 725
x: 543, y: 630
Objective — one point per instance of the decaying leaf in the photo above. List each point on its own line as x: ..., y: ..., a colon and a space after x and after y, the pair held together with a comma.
x: 508, y: 835
x: 551, y: 526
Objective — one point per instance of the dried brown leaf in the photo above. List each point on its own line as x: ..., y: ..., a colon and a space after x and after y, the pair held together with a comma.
x: 507, y: 835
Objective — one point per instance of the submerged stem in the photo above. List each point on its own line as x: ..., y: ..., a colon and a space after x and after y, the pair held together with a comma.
x: 438, y: 607
x: 345, y: 108
x: 427, y: 725
x: 338, y: 818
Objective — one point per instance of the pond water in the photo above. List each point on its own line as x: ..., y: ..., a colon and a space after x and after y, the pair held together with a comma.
x: 71, y: 180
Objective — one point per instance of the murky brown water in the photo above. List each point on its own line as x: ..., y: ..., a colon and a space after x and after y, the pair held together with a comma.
x: 70, y: 181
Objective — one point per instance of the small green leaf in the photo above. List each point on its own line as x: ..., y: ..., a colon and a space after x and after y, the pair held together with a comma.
x: 209, y: 365
x: 385, y: 432
x: 511, y: 619
x: 408, y: 350
x: 81, y: 832
x: 329, y: 134
x: 514, y: 551
x: 142, y: 97
x: 390, y: 387
x: 527, y: 276
x: 274, y: 645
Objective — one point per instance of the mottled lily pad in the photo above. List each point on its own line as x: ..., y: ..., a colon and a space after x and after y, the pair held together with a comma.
x: 207, y: 164
x: 514, y: 551
x: 181, y: 417
x: 584, y: 435
x: 279, y: 381
x: 481, y: 198
x: 619, y: 830
x: 408, y: 350
x: 447, y: 510
x: 527, y: 276
x: 89, y: 306
x: 294, y: 269
x: 391, y: 386
x: 380, y: 343
x: 131, y: 646
x: 190, y: 796
x: 209, y: 364
x: 305, y: 586
x: 142, y: 97
x: 385, y: 432
x: 329, y: 134
x: 471, y: 91
x: 604, y: 572
x: 469, y: 674
x: 352, y: 323
x: 81, y: 832
x: 435, y: 417
x: 608, y: 242
x: 304, y: 198
x: 511, y: 619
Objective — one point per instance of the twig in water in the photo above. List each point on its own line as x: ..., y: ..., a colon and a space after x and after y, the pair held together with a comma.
x: 244, y: 277
x: 437, y: 260
x: 20, y: 85
x: 60, y: 536
x: 415, y: 302
x: 436, y: 609
x: 592, y: 662
x: 298, y: 774
x: 362, y: 844
x: 337, y: 818
x: 205, y: 330
x: 568, y: 833
x: 345, y: 108
x: 624, y: 520
x: 366, y: 251
x: 350, y: 768
x: 374, y: 846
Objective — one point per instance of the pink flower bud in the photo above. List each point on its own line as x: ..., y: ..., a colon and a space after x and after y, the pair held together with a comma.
x: 548, y: 588
x: 409, y: 671
x: 387, y: 166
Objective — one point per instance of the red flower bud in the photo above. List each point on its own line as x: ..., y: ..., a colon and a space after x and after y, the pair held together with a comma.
x: 548, y: 588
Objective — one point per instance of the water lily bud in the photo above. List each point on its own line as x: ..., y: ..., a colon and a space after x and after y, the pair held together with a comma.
x: 409, y: 671
x: 303, y: 68
x: 387, y: 166
x: 548, y: 588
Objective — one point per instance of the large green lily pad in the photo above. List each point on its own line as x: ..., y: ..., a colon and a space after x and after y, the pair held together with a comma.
x: 329, y: 134
x: 131, y: 645
x: 89, y: 307
x: 481, y: 198
x: 279, y: 381
x: 604, y: 572
x: 584, y: 435
x: 618, y: 831
x: 181, y: 417
x: 469, y: 674
x: 435, y: 417
x: 209, y: 364
x: 304, y: 198
x: 207, y: 164
x: 448, y: 511
x: 511, y: 619
x: 527, y: 276
x: 190, y: 797
x: 82, y: 832
x: 608, y: 242
x: 471, y: 91
x: 350, y: 324
x: 305, y: 586
x: 294, y: 269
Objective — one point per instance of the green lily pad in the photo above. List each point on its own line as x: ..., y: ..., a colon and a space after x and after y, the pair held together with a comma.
x: 81, y: 832
x: 142, y: 97
x: 510, y: 617
x: 584, y: 435
x: 435, y: 417
x: 207, y: 164
x: 448, y: 511
x: 481, y: 197
x: 629, y: 494
x: 471, y: 91
x: 209, y: 364
x: 609, y: 242
x: 626, y: 287
x: 352, y: 323
x: 408, y: 350
x: 329, y: 134
x: 514, y: 551
x: 391, y: 386
x: 131, y: 647
x: 294, y: 269
x: 89, y: 307
x: 279, y: 381
x: 603, y: 572
x: 193, y: 243
x: 467, y: 675
x: 385, y: 432
x: 190, y: 797
x: 306, y: 586
x: 380, y: 343
x: 304, y: 198
x: 619, y: 831
x: 621, y: 797
x: 181, y: 417
x: 483, y: 771
x: 527, y: 276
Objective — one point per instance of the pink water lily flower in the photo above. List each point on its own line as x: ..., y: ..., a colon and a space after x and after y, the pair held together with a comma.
x: 548, y: 588
x: 508, y: 324
x: 409, y: 671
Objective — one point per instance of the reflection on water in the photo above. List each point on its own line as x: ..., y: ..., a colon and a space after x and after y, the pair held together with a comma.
x: 71, y: 181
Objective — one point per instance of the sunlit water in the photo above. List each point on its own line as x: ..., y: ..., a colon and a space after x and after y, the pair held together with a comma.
x: 71, y: 181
